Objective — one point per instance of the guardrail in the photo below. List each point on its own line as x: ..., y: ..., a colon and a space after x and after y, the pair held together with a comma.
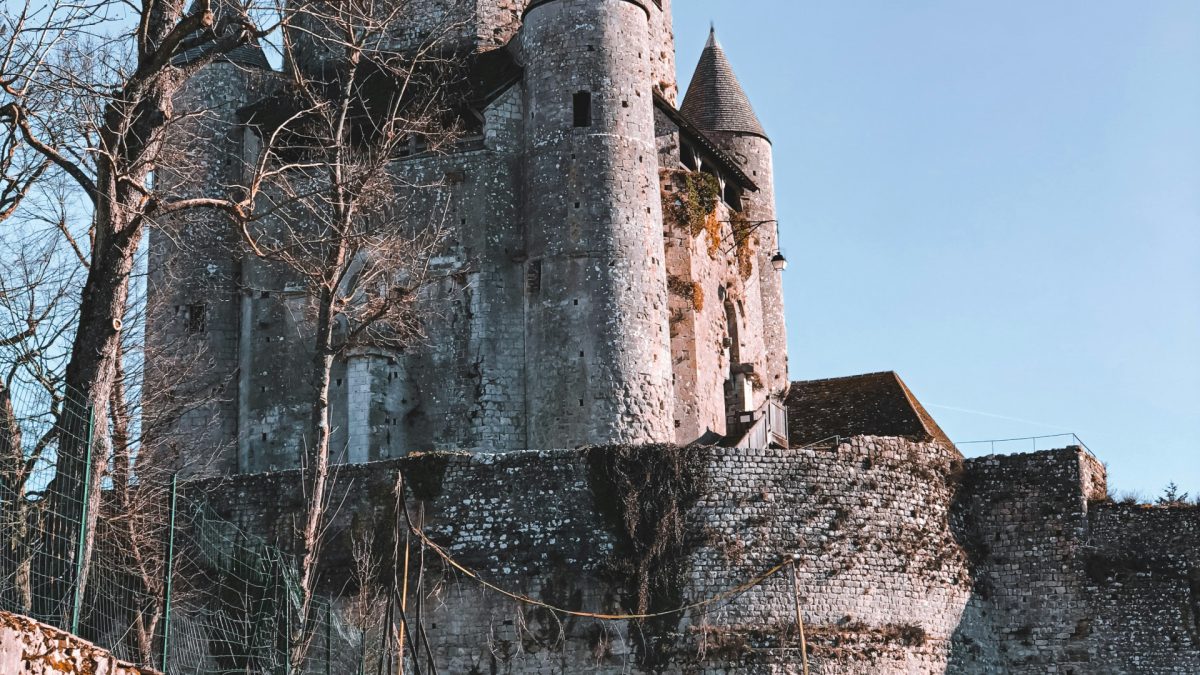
x: 1034, y: 443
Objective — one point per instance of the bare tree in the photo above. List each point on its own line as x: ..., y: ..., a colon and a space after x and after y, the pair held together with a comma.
x: 89, y: 95
x: 88, y: 89
x: 331, y: 210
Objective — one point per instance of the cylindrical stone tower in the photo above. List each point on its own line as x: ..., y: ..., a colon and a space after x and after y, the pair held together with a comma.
x: 717, y: 104
x: 597, y: 343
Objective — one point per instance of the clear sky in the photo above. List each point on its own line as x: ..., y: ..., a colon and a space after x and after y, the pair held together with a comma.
x: 998, y: 200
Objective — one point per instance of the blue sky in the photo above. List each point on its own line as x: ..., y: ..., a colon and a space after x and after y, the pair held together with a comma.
x: 998, y: 200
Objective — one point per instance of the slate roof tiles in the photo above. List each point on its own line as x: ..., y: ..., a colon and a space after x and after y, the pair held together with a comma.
x: 715, y: 100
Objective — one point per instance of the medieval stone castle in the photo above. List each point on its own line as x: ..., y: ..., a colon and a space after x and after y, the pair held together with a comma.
x: 585, y: 312
x: 588, y: 304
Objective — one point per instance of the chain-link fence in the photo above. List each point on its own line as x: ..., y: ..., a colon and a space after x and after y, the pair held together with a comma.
x: 123, y: 558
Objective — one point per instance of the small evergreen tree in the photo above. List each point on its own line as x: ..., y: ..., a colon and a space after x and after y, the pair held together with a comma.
x: 1172, y: 496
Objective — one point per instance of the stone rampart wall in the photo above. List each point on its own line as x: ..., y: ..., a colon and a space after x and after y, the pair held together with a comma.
x: 32, y: 648
x: 1142, y: 569
x: 911, y: 560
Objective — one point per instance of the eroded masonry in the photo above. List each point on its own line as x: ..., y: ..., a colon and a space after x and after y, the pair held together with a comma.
x: 601, y: 419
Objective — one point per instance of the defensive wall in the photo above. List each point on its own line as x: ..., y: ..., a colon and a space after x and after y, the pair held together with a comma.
x: 32, y: 648
x: 911, y: 559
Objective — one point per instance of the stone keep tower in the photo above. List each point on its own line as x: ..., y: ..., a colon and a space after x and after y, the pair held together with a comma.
x: 598, y: 368
x: 575, y: 306
x: 195, y: 283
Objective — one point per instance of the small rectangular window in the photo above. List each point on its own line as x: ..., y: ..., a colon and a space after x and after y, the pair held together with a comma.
x: 534, y: 276
x: 196, y: 319
x: 583, y: 109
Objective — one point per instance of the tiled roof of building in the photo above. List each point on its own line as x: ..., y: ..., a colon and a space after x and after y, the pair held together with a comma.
x: 715, y: 99
x: 224, y: 11
x: 876, y: 404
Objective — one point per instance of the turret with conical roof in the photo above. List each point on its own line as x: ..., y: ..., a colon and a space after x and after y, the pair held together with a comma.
x: 718, y: 106
x: 715, y: 99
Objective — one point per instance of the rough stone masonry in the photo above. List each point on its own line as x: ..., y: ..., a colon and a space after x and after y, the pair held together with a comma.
x: 612, y: 284
x: 608, y: 277
x: 912, y: 560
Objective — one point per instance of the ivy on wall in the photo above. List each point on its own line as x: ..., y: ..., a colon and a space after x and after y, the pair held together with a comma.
x: 695, y: 205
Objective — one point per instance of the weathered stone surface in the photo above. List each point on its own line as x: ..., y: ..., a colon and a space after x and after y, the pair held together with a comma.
x: 28, y: 647
x: 552, y: 322
x: 911, y: 560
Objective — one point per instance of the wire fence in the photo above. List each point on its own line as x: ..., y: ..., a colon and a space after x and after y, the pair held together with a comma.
x: 97, y: 538
x: 95, y: 541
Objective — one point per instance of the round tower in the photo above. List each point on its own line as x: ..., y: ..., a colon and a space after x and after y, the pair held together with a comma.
x: 597, y: 342
x: 717, y: 104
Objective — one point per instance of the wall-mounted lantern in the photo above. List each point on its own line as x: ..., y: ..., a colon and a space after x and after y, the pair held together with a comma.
x: 779, y: 262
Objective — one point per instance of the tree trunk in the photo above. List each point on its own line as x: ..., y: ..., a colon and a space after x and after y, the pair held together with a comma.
x: 317, y: 471
x: 89, y: 381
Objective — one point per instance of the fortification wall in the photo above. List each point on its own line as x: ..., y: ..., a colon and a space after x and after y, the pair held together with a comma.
x: 1023, y: 520
x: 1142, y: 570
x: 910, y: 559
x: 1065, y: 580
x: 32, y: 648
x: 882, y: 580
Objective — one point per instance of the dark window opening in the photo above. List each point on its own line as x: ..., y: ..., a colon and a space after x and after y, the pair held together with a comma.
x: 687, y: 158
x: 733, y: 196
x: 196, y: 319
x: 534, y: 276
x: 583, y: 109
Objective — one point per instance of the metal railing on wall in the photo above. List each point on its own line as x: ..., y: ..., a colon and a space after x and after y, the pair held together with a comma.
x: 1030, y: 443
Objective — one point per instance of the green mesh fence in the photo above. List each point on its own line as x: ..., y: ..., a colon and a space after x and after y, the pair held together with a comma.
x: 122, y: 558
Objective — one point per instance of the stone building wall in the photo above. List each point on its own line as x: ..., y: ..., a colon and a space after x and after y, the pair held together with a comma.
x: 662, y: 50
x: 753, y: 154
x: 195, y: 275
x: 718, y: 353
x: 550, y: 324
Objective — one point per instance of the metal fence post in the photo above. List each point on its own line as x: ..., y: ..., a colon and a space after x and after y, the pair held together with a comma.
x: 76, y: 594
x: 362, y: 653
x: 287, y: 627
x: 328, y: 635
x: 170, y: 573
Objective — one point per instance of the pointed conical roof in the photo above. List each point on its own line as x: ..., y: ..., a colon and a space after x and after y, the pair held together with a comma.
x: 225, y: 16
x: 715, y: 99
